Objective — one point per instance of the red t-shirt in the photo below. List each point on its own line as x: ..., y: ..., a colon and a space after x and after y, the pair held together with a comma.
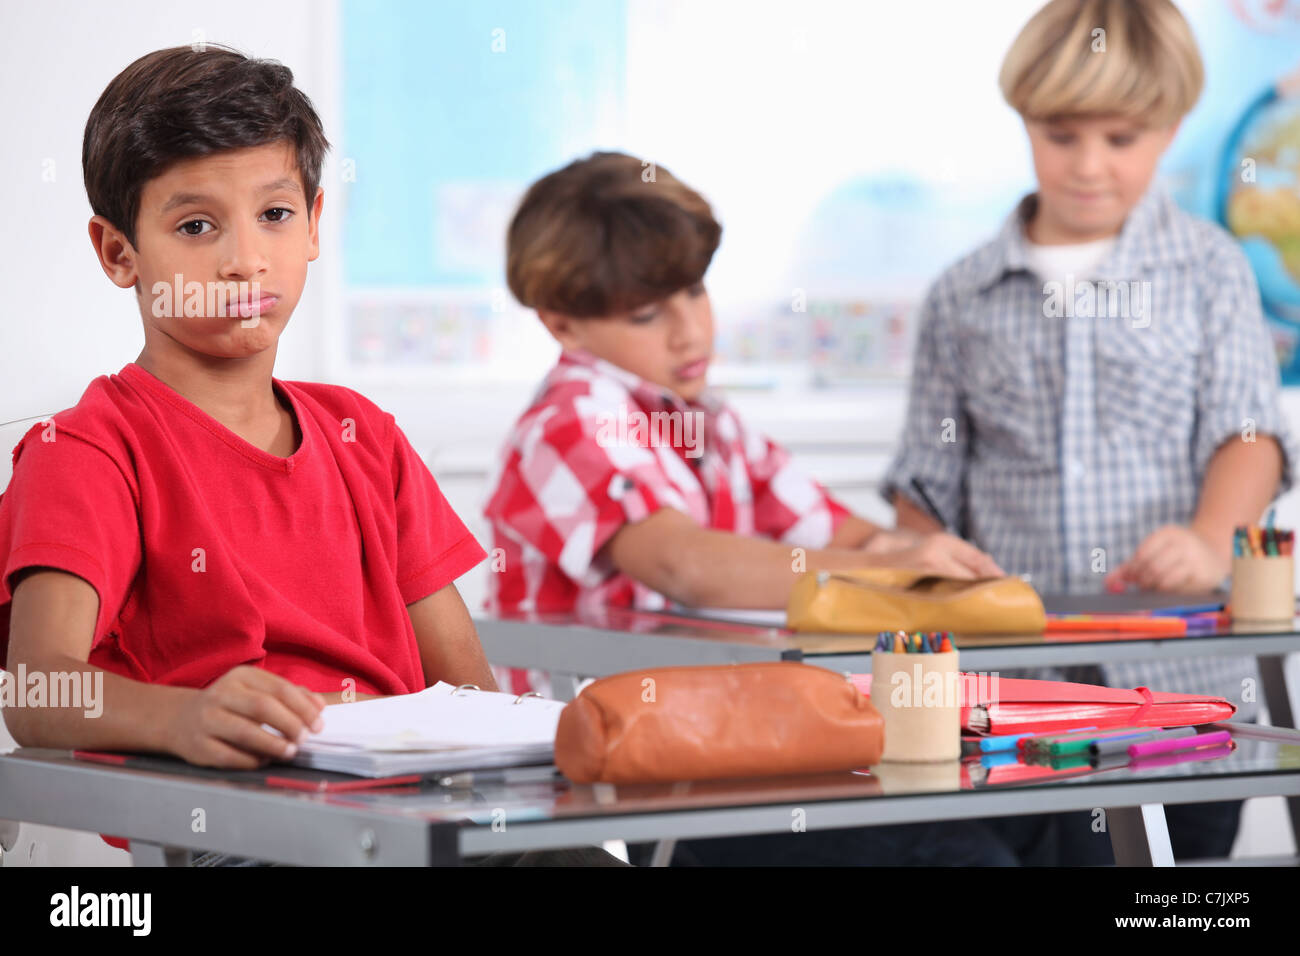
x: 208, y: 552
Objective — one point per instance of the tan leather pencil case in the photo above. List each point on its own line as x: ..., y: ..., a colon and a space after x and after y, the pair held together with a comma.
x: 870, y: 600
x: 702, y: 723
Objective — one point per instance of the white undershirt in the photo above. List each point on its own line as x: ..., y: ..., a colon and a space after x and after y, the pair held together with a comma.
x: 1080, y: 260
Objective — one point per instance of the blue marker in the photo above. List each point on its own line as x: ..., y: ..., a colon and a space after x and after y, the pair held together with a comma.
x: 997, y: 744
x: 997, y: 759
x: 1187, y: 609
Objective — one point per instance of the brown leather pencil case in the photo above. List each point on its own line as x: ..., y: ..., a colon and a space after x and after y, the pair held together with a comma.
x: 702, y: 723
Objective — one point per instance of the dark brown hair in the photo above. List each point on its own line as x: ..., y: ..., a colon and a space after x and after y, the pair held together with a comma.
x: 182, y: 103
x: 606, y: 235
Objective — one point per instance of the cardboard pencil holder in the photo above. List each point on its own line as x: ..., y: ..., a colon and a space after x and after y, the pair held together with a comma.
x: 919, y: 698
x: 932, y: 776
x: 1263, y: 588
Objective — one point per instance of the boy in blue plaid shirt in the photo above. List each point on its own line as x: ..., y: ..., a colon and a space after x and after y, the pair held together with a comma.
x: 1094, y: 397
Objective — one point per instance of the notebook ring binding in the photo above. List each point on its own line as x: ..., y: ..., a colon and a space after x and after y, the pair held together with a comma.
x: 461, y: 687
x: 531, y: 693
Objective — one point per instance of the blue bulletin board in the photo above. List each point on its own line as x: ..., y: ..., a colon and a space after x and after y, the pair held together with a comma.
x: 449, y: 111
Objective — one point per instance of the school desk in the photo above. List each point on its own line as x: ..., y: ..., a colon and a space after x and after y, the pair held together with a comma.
x: 604, y: 641
x: 435, y: 825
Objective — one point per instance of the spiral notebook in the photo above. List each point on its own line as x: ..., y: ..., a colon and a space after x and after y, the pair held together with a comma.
x: 441, y: 728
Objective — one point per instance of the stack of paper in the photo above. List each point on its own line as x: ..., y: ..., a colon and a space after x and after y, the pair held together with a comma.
x: 758, y: 618
x: 439, y: 729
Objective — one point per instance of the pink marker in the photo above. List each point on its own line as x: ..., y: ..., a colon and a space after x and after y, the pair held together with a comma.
x: 1179, y: 743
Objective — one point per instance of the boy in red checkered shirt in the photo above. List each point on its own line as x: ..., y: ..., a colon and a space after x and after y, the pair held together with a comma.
x: 627, y: 482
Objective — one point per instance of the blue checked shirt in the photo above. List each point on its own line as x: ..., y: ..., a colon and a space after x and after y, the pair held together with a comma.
x: 1057, y: 428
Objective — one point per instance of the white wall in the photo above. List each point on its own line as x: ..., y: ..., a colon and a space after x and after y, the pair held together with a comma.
x: 65, y: 322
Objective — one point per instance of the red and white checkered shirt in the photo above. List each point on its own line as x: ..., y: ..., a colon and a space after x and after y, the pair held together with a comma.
x: 600, y: 448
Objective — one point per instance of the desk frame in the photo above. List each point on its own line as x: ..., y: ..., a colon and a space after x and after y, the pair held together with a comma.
x: 598, y: 652
x: 153, y: 810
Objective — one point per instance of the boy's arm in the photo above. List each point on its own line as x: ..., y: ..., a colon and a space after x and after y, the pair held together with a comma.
x: 434, y: 548
x: 1240, y: 481
x: 701, y: 567
x: 933, y: 445
x: 50, y: 624
x: 1242, y: 446
x: 913, y: 528
x: 449, y: 645
x: 908, y: 515
x: 51, y: 629
x: 854, y: 532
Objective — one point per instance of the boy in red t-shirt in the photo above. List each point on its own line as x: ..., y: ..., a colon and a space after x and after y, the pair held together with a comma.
x: 227, y: 549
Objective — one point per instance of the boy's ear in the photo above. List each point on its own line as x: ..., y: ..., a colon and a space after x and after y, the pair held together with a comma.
x: 561, y: 327
x: 313, y: 225
x: 115, y: 252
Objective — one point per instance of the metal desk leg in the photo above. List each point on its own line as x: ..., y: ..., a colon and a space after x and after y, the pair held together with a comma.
x: 151, y: 854
x: 564, y: 686
x: 1272, y: 672
x: 1139, y: 835
x: 663, y: 853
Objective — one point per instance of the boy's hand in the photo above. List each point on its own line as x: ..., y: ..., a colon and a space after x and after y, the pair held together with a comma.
x: 221, y: 725
x: 896, y: 539
x: 1172, y: 558
x: 947, y: 555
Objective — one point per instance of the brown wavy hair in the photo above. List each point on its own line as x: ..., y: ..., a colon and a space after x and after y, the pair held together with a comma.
x: 606, y: 235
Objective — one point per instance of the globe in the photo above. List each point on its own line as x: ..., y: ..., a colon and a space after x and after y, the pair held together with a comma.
x: 1259, y: 203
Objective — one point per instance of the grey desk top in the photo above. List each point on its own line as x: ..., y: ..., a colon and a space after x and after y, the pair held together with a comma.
x: 611, y: 640
x: 418, y: 825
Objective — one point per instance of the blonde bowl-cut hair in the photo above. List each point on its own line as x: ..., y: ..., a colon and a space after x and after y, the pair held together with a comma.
x: 1144, y: 63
